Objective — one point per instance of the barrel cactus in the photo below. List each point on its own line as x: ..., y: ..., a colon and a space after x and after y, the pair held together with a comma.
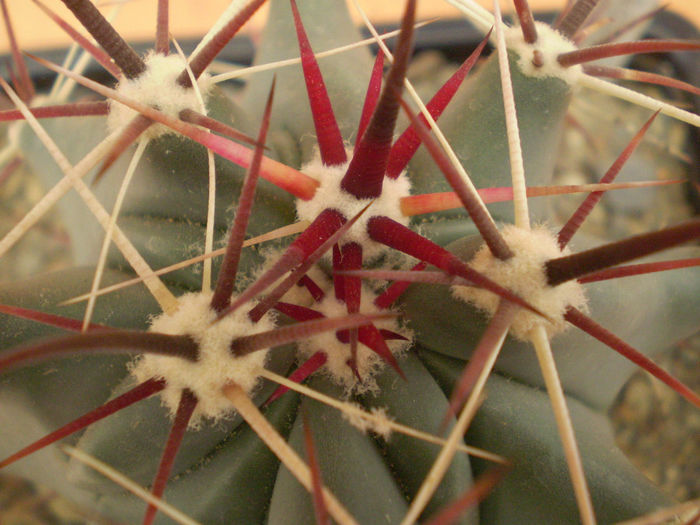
x: 287, y: 382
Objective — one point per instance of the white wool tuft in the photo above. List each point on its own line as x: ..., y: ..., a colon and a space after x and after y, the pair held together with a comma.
x: 157, y: 87
x: 216, y: 365
x: 330, y: 195
x: 524, y: 274
x: 380, y: 423
x: 550, y: 43
x: 338, y: 353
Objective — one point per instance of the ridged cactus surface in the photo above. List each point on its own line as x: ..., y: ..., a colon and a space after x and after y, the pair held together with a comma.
x: 403, y: 376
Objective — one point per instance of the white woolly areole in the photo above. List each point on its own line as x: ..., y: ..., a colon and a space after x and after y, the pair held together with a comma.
x: 524, y: 274
x: 329, y: 194
x: 338, y: 353
x: 380, y: 424
x: 216, y: 365
x: 157, y: 87
x: 550, y: 43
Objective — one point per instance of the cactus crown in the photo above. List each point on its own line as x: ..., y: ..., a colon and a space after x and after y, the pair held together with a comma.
x: 216, y: 356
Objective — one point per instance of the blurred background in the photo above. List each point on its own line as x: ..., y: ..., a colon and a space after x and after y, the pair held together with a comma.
x: 191, y: 19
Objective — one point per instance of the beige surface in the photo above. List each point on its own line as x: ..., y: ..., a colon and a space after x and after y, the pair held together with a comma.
x: 192, y: 17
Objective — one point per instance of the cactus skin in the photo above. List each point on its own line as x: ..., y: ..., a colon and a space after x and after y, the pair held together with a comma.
x: 163, y: 216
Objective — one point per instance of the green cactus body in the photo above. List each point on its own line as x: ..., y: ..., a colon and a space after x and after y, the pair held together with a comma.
x: 473, y: 124
x: 223, y: 473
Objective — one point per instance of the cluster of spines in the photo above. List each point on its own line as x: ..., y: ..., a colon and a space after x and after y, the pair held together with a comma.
x: 370, y: 163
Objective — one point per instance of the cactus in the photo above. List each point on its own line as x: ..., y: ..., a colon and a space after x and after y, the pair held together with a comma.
x: 366, y: 412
